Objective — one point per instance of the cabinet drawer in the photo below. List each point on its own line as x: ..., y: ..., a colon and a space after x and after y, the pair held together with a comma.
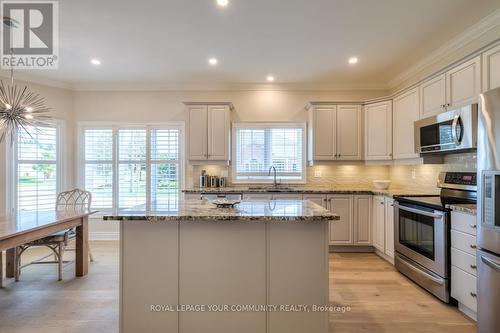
x: 463, y: 222
x: 463, y: 288
x: 464, y: 261
x: 462, y: 241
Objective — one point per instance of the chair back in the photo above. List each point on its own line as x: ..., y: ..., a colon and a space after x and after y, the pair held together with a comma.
x: 74, y: 200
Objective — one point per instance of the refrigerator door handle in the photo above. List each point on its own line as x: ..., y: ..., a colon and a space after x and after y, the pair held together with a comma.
x: 491, y: 263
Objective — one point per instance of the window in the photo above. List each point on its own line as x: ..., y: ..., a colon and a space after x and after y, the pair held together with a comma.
x: 261, y: 146
x: 133, y: 167
x: 36, y: 171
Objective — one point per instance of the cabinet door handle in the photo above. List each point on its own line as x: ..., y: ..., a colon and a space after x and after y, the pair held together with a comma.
x: 473, y: 294
x: 472, y: 246
x: 473, y: 226
x: 473, y: 266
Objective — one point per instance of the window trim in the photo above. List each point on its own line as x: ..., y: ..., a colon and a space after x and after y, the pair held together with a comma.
x: 115, y: 126
x: 264, y: 125
x: 61, y: 165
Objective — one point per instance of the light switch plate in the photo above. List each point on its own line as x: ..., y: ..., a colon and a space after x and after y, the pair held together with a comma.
x: 317, y: 173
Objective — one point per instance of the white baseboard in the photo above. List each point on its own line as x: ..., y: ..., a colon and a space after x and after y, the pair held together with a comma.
x: 104, y: 236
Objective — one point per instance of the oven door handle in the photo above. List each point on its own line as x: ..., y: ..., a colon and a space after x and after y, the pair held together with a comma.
x: 417, y: 211
x: 421, y: 272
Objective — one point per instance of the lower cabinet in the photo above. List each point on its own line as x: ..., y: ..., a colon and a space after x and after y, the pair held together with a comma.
x: 341, y: 231
x: 383, y: 226
x: 354, y: 226
x: 389, y: 227
x: 379, y: 223
x: 463, y: 262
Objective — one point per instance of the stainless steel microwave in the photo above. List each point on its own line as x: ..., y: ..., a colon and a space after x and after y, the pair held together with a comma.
x: 455, y: 130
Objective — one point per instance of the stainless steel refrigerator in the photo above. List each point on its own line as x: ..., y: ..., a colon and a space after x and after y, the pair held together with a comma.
x: 488, y: 216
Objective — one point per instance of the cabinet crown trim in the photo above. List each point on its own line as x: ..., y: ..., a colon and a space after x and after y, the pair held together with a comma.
x: 229, y: 104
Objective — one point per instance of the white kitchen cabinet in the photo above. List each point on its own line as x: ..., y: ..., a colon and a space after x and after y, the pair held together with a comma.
x: 198, y: 129
x: 406, y: 112
x: 334, y: 132
x: 378, y: 131
x: 463, y: 83
x: 463, y: 262
x: 433, y: 96
x: 218, y: 132
x: 389, y: 227
x: 362, y: 220
x: 322, y: 132
x: 208, y: 132
x: 319, y: 199
x: 349, y: 132
x: 379, y: 223
x: 341, y: 231
x: 491, y: 68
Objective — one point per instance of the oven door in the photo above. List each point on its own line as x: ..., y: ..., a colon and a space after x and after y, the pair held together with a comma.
x: 421, y: 235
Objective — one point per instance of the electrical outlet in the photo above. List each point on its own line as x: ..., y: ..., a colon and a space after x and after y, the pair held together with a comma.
x: 414, y: 174
x: 317, y: 173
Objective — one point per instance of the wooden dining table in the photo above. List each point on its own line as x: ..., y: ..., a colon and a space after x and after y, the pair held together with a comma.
x: 20, y: 228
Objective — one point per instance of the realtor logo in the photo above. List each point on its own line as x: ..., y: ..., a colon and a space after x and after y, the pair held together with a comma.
x: 30, y: 36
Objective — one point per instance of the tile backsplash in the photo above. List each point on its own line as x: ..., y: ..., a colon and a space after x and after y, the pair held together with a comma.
x: 418, y: 176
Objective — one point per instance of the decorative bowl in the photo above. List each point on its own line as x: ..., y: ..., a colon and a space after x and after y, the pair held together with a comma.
x: 225, y: 203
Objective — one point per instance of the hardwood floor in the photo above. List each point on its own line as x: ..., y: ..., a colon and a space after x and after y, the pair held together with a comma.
x: 380, y: 299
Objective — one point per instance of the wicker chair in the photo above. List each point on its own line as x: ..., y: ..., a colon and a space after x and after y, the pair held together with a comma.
x: 74, y: 200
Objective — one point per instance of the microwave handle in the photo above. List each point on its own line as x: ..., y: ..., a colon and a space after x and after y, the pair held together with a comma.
x: 454, y: 130
x: 417, y: 211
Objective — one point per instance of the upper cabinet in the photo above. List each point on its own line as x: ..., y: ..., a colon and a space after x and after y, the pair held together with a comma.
x: 335, y: 132
x: 463, y: 83
x: 406, y: 112
x: 459, y: 86
x: 349, y: 132
x: 322, y: 132
x: 208, y: 131
x: 433, y: 96
x: 378, y: 131
x: 491, y: 68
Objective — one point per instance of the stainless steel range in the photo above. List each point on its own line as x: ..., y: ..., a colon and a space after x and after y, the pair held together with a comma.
x: 422, y: 232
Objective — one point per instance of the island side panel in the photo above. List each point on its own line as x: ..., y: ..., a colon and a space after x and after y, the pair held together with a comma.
x: 222, y: 262
x: 149, y: 276
x: 298, y: 274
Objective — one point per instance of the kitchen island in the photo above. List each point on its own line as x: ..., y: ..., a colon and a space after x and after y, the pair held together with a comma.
x: 259, y: 267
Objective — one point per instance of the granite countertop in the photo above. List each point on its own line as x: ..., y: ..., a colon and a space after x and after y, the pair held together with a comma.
x: 313, y: 190
x: 464, y: 208
x: 247, y: 210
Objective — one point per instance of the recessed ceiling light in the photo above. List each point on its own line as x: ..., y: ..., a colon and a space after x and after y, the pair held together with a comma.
x: 28, y: 116
x: 222, y: 3
x: 212, y: 61
x: 270, y: 78
x: 29, y: 109
x: 353, y: 60
x: 95, y: 62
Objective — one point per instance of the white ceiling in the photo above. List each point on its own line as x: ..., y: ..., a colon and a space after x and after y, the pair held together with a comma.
x: 298, y: 41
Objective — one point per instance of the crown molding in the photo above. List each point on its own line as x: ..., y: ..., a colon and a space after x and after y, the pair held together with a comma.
x: 487, y: 24
x: 95, y: 86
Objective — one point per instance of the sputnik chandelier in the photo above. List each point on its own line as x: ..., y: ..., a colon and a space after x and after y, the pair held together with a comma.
x: 21, y: 110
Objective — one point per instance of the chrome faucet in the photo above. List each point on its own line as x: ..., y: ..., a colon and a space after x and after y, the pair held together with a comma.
x: 275, y: 184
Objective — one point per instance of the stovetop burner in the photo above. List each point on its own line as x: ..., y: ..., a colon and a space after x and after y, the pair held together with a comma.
x: 456, y: 188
